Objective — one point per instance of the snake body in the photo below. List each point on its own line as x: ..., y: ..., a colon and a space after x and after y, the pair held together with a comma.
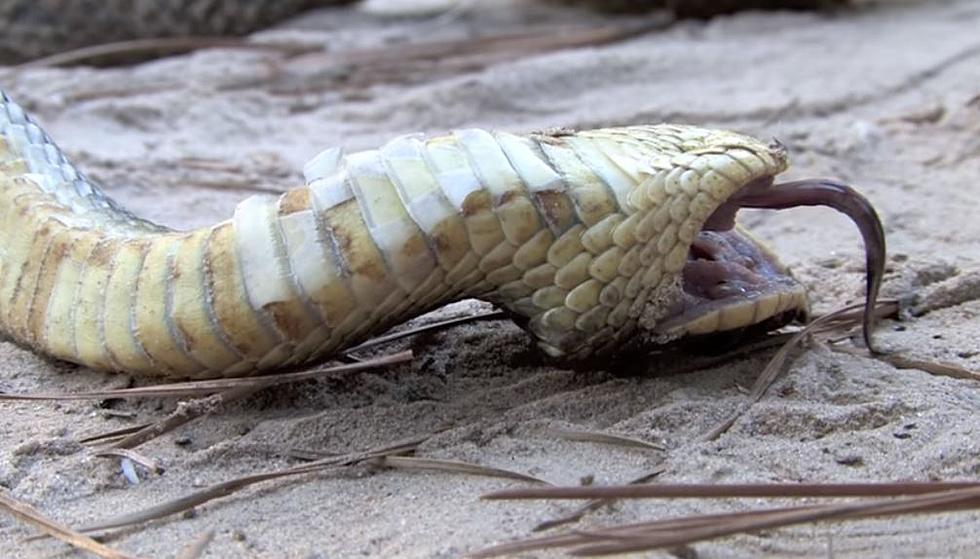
x: 581, y: 235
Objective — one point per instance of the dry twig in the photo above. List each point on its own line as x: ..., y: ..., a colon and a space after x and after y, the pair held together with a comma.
x: 733, y: 490
x: 229, y: 487
x: 673, y: 532
x: 29, y: 515
x: 595, y: 504
x: 206, y: 387
x: 453, y: 466
x: 604, y: 438
x: 432, y: 327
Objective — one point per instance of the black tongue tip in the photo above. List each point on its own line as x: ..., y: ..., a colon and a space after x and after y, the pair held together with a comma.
x: 850, y: 202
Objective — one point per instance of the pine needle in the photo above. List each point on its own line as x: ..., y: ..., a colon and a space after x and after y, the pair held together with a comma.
x: 130, y: 437
x: 603, y: 438
x: 454, y: 467
x: 595, y: 504
x: 229, y: 487
x: 435, y: 326
x: 205, y: 387
x: 145, y: 461
x: 29, y: 515
x: 934, y: 502
x: 682, y: 531
x: 110, y: 436
x: 185, y: 412
x: 571, y: 538
x: 734, y: 490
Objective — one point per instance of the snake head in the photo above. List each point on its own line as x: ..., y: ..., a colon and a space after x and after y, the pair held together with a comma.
x: 688, y: 269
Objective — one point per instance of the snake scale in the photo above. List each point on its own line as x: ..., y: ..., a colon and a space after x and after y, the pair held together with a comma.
x: 591, y: 240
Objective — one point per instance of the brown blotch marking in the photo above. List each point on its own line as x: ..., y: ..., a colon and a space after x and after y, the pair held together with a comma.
x: 295, y: 200
x: 89, y: 330
x: 232, y: 311
x: 121, y: 345
x: 283, y: 313
x: 519, y: 217
x: 194, y: 328
x: 507, y: 196
x: 343, y: 240
x: 591, y: 206
x: 368, y: 276
x: 60, y: 308
x: 44, y: 286
x: 362, y: 256
x: 27, y: 279
x: 476, y: 202
x: 334, y: 299
x: 175, y: 274
x: 367, y: 267
x: 102, y: 256
x: 17, y: 227
x: 558, y: 210
x: 482, y: 226
x: 174, y: 271
x: 38, y: 205
x: 450, y: 240
x: 152, y: 318
x: 553, y: 136
x: 414, y: 245
x: 442, y: 239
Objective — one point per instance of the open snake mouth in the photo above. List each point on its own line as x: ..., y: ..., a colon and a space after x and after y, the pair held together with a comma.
x: 731, y: 282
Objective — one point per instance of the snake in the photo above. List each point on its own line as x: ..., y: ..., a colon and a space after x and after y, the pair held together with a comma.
x: 593, y: 241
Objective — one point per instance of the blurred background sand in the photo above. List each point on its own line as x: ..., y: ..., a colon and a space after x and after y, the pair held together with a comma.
x: 884, y: 97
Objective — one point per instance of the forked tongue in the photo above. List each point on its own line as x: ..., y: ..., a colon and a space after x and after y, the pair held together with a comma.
x: 843, y: 198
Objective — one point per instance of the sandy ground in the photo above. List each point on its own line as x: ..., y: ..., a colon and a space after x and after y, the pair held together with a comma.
x: 880, y: 97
